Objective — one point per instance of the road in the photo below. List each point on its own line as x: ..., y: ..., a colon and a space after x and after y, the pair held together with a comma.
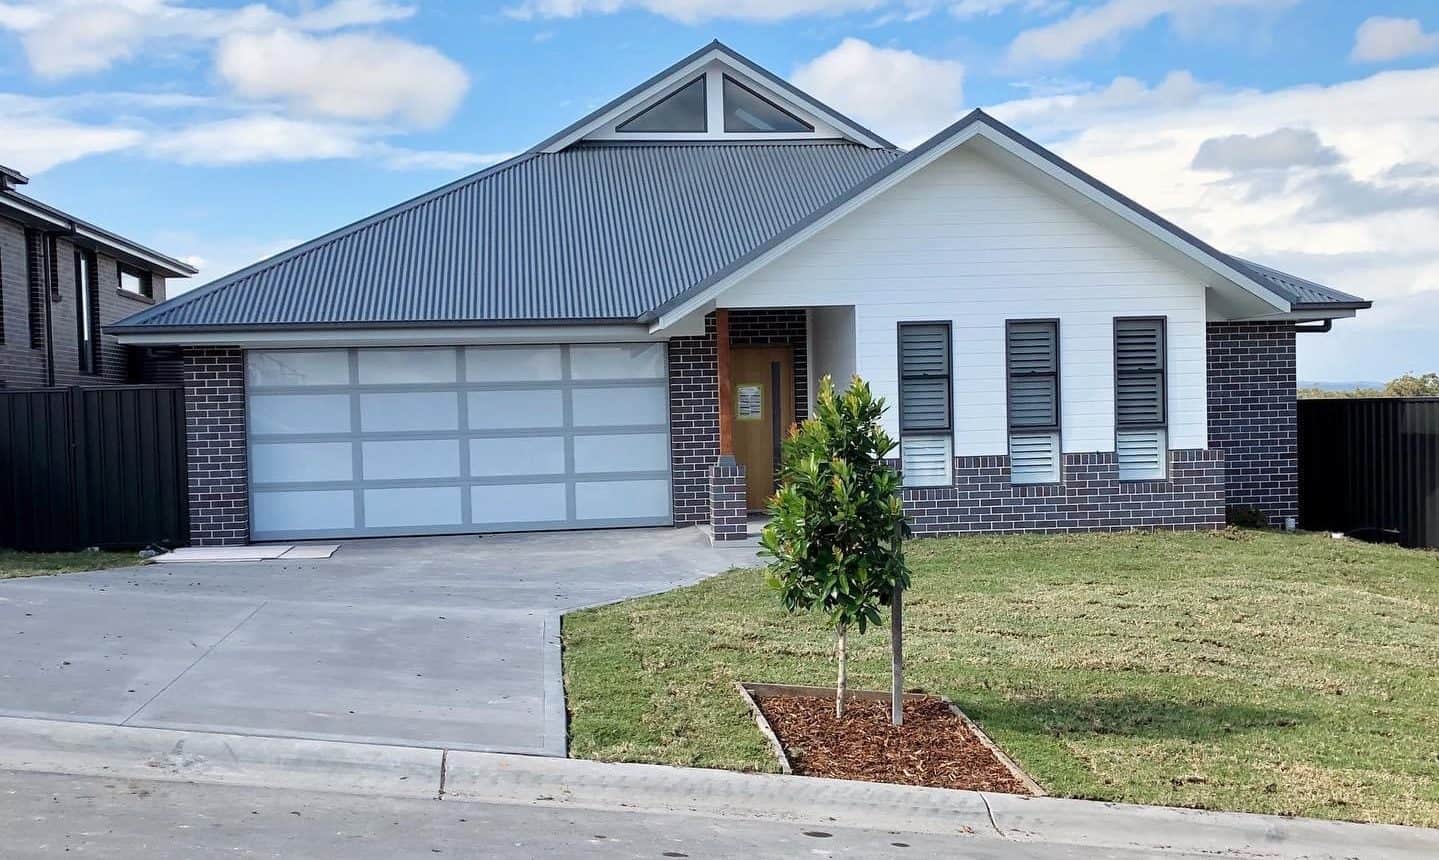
x: 49, y: 815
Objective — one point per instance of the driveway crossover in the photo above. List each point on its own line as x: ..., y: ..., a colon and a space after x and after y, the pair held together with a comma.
x: 441, y: 642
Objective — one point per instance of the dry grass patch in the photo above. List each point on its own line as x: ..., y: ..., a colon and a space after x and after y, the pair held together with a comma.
x: 17, y: 564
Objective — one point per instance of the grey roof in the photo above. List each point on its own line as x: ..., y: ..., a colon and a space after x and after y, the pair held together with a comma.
x: 589, y: 234
x: 27, y: 208
x: 1302, y: 294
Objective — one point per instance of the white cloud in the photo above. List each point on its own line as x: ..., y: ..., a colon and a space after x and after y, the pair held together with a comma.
x: 979, y: 8
x: 69, y: 37
x: 1360, y: 225
x: 1104, y: 23
x: 262, y: 137
x: 35, y: 143
x: 349, y: 76
x: 1280, y: 149
x: 899, y: 94
x: 691, y: 11
x: 1379, y: 39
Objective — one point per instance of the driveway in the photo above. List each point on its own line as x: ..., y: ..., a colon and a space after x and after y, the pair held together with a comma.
x: 440, y: 642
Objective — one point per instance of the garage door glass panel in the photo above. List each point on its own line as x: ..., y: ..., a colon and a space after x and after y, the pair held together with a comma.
x: 513, y: 364
x: 407, y: 366
x: 616, y: 453
x: 616, y: 407
x: 516, y: 410
x: 518, y: 503
x: 517, y: 455
x: 303, y: 510
x: 614, y: 500
x: 425, y: 411
x: 411, y: 459
x: 299, y: 462
x: 299, y: 413
x: 618, y: 361
x: 299, y: 367
x: 414, y: 507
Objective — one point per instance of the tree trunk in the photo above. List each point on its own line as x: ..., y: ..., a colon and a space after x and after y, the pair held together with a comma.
x: 841, y: 687
x: 896, y: 658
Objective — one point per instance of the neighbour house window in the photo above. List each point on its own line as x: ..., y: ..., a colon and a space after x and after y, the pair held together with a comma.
x: 1140, y: 417
x: 748, y: 111
x: 925, y: 404
x: 1032, y: 367
x: 86, y: 316
x: 686, y: 110
x: 136, y: 282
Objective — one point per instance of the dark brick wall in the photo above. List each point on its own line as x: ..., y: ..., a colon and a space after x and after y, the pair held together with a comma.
x: 694, y: 399
x: 23, y: 366
x: 1253, y: 414
x: 215, y: 443
x: 729, y: 513
x: 1090, y: 497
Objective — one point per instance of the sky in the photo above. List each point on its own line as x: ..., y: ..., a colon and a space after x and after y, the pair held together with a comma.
x: 1300, y: 133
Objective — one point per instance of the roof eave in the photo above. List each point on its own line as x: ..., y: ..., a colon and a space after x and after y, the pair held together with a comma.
x: 53, y: 218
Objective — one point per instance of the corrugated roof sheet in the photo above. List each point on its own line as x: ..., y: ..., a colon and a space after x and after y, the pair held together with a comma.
x: 1299, y: 291
x: 594, y: 232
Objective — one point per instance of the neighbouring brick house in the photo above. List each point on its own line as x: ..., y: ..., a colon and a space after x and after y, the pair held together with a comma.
x: 617, y: 327
x: 61, y: 281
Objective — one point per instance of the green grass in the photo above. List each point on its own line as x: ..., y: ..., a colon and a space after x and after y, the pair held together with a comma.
x: 16, y: 564
x: 1251, y: 671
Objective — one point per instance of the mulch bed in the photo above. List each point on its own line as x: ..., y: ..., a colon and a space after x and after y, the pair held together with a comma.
x: 933, y: 748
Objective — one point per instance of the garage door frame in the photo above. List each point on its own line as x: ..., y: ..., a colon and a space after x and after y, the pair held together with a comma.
x: 601, y: 482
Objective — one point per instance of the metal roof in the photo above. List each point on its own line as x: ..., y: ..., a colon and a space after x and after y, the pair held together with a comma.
x: 1302, y: 294
x: 592, y: 233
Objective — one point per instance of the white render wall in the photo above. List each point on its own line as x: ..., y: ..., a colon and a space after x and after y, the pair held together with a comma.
x: 831, y: 346
x: 965, y: 241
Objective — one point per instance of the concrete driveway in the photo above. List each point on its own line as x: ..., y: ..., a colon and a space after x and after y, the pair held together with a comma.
x: 441, y: 642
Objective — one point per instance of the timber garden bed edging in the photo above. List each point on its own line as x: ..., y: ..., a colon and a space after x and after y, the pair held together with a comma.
x: 752, y: 693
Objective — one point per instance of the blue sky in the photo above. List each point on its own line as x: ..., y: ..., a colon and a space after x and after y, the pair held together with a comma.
x: 1303, y: 133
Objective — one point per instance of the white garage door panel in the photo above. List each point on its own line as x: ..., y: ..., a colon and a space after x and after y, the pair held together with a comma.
x: 352, y: 442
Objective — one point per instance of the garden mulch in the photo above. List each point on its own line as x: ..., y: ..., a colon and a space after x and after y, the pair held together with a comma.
x: 933, y: 748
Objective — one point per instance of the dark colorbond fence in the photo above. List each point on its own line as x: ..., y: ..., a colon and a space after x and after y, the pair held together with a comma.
x: 83, y: 467
x: 1370, y: 468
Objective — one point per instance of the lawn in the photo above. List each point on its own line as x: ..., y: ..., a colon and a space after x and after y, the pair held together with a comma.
x: 1251, y: 671
x: 16, y: 564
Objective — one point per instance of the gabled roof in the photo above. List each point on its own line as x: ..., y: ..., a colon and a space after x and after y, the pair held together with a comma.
x: 1285, y: 293
x: 595, y: 233
x: 678, y: 73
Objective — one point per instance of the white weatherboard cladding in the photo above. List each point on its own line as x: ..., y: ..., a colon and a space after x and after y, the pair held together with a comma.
x: 968, y: 242
x: 457, y: 439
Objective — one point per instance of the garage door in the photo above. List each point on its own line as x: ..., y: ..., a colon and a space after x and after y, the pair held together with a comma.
x: 355, y: 442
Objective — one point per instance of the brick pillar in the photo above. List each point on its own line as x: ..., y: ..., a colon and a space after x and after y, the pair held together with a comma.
x: 1253, y: 414
x: 214, y: 379
x: 694, y: 426
x: 729, y: 511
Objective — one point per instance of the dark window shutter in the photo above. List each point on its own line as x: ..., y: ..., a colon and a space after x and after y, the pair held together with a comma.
x: 1139, y: 372
x: 35, y: 277
x: 924, y: 367
x: 1032, y: 356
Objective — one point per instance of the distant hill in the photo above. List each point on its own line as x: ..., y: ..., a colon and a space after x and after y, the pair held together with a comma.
x: 1339, y: 386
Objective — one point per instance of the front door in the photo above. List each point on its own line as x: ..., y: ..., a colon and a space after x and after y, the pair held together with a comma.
x: 762, y: 396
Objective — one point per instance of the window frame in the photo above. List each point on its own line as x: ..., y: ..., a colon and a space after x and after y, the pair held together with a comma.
x: 806, y: 127
x: 1009, y: 377
x: 147, y: 281
x: 621, y: 127
x: 1162, y: 372
x: 87, y: 297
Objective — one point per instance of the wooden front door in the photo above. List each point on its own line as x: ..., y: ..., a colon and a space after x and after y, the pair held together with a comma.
x: 762, y: 397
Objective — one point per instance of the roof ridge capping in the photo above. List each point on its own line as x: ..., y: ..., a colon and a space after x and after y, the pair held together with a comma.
x: 575, y: 130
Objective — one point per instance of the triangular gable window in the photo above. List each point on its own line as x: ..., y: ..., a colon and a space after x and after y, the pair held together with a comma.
x: 747, y: 111
x: 684, y: 111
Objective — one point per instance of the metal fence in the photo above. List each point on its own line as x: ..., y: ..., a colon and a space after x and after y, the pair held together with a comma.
x: 82, y: 467
x: 1370, y: 468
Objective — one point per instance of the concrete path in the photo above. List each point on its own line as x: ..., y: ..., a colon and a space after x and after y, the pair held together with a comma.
x: 554, y: 804
x: 449, y: 642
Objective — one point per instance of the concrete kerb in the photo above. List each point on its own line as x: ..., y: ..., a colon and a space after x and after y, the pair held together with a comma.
x: 161, y: 754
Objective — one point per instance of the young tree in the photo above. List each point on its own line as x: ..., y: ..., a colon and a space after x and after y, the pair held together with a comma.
x: 837, y: 533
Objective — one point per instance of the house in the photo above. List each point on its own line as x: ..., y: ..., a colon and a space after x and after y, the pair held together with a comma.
x: 61, y: 281
x: 616, y: 327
